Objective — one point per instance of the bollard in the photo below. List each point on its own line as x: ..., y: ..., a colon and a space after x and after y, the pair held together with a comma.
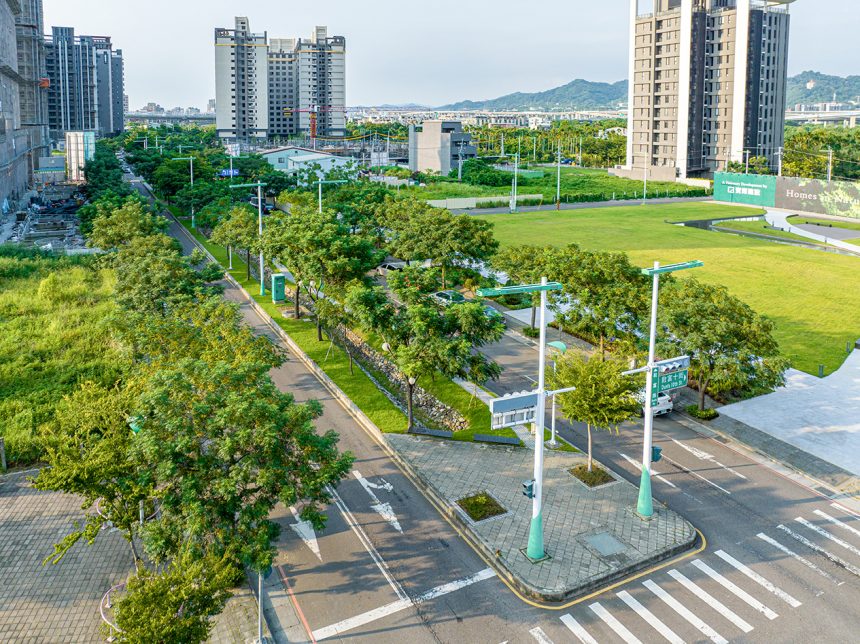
x: 821, y: 371
x: 2, y: 454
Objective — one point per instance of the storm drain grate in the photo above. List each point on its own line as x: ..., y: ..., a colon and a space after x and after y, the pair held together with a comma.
x: 605, y: 544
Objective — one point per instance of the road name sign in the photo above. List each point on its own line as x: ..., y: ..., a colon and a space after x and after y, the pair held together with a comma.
x: 519, y: 408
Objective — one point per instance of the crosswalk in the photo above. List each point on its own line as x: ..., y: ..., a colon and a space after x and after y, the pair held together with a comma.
x: 726, y: 594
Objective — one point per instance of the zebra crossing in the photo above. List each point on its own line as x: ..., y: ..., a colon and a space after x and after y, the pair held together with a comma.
x: 720, y: 596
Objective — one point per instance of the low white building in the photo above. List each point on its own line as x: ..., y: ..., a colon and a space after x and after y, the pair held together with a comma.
x: 293, y: 158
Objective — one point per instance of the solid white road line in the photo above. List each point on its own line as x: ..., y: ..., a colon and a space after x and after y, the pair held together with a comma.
x: 806, y: 542
x: 365, y: 541
x: 836, y: 521
x: 614, y: 624
x: 698, y: 476
x: 399, y: 605
x: 654, y: 472
x: 731, y: 587
x: 682, y: 610
x: 711, y: 601
x: 650, y: 617
x: 827, y: 535
x: 540, y: 636
x: 842, y: 508
x: 757, y: 578
x: 776, y: 544
x: 577, y: 629
x: 704, y: 456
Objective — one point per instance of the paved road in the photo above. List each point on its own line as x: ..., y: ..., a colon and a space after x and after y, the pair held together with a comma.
x: 782, y: 562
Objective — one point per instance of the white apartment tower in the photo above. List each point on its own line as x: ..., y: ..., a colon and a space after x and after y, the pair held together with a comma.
x: 297, y: 86
x: 707, y: 84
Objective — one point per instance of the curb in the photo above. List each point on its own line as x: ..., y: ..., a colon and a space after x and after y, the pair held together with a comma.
x: 521, y: 588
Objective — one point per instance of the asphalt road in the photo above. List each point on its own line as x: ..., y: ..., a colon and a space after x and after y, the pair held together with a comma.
x: 782, y: 562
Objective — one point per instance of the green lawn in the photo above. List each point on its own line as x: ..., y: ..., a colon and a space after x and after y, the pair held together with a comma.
x: 761, y: 228
x: 356, y: 385
x: 810, y: 295
x: 577, y: 184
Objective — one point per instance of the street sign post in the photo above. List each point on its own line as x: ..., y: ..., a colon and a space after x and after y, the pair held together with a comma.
x: 514, y: 409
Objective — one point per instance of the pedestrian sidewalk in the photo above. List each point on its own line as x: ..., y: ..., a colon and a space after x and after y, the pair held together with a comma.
x: 593, y: 536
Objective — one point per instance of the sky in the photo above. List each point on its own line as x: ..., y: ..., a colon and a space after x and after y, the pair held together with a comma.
x: 429, y: 53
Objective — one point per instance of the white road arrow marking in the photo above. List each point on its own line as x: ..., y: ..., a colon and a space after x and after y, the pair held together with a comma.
x: 704, y: 456
x: 306, y: 532
x: 383, y: 509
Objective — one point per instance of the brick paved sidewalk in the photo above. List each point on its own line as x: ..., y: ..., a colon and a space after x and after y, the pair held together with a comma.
x: 592, y: 535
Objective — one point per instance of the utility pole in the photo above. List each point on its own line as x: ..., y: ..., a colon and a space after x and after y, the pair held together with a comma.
x: 580, y: 151
x: 459, y: 160
x: 829, y: 164
x: 644, y: 182
x: 534, y: 149
x: 558, y: 179
x: 514, y: 184
x: 191, y: 162
x: 503, y: 145
x: 779, y: 162
x: 747, y: 161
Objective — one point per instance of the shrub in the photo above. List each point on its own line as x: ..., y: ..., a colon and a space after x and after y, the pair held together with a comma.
x: 704, y: 414
x: 530, y: 332
x: 480, y: 506
x: 595, y: 478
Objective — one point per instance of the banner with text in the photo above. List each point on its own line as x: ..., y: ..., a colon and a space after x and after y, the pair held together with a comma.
x: 753, y: 189
x: 838, y: 198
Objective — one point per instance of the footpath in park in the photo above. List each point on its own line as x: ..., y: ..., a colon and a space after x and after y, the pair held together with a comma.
x: 593, y: 536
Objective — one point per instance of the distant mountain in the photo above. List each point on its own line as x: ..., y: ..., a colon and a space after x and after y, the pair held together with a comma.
x: 813, y: 87
x: 578, y: 94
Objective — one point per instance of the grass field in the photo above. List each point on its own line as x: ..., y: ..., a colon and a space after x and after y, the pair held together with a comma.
x: 583, y: 184
x: 812, y: 296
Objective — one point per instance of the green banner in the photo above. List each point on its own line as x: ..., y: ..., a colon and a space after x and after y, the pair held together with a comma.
x: 752, y: 189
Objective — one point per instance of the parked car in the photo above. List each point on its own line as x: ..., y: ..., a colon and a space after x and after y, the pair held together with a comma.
x: 664, y: 405
x: 493, y: 314
x: 447, y: 298
x: 384, y: 269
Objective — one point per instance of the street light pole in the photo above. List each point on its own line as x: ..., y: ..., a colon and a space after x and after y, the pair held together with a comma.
x: 191, y: 162
x: 535, y: 548
x: 320, y: 185
x: 645, y: 504
x: 558, y: 179
x: 514, y: 183
x: 259, y: 187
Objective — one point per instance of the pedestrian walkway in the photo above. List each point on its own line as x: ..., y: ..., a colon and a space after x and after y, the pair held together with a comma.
x: 779, y: 219
x: 592, y: 535
x: 728, y: 594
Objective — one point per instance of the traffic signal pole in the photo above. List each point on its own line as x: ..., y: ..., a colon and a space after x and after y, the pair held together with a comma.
x: 535, y: 549
x: 645, y: 505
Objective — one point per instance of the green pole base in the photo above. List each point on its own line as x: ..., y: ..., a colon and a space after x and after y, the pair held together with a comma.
x: 645, y: 507
x: 262, y: 288
x: 535, y: 548
x: 193, y: 222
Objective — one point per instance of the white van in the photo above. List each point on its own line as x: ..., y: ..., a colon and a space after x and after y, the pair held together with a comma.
x: 664, y: 404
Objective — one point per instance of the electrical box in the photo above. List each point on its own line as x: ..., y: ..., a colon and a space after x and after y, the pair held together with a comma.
x: 656, y: 453
x: 279, y: 282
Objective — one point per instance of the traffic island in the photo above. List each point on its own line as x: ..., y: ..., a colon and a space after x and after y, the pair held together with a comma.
x: 592, y: 535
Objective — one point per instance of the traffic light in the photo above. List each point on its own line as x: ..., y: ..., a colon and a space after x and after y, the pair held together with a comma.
x: 529, y: 488
x: 656, y: 453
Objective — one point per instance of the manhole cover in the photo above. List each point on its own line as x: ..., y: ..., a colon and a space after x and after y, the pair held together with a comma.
x: 605, y: 544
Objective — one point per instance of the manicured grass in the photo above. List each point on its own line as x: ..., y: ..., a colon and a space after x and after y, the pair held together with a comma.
x: 809, y: 294
x: 761, y: 228
x: 594, y: 478
x: 563, y: 445
x: 576, y: 184
x: 480, y: 506
x: 357, y: 385
x: 794, y: 220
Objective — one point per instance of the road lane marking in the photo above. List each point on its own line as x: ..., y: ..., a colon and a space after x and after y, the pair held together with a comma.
x: 682, y: 610
x: 399, y: 605
x: 711, y: 601
x: 576, y: 628
x: 827, y: 535
x: 698, y: 476
x: 836, y: 521
x: 540, y: 636
x: 733, y: 588
x: 705, y: 456
x: 382, y: 509
x: 757, y: 578
x: 305, y: 530
x: 365, y: 541
x: 286, y: 582
x: 812, y: 546
x: 776, y: 544
x: 654, y: 472
x: 614, y: 624
x: 650, y: 617
x: 842, y: 508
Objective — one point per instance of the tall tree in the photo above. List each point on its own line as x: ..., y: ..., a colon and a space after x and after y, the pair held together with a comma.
x: 731, y: 347
x: 527, y: 264
x: 112, y: 229
x: 603, y: 397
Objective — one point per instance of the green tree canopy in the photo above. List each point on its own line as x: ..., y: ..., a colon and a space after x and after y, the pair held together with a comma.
x: 112, y: 229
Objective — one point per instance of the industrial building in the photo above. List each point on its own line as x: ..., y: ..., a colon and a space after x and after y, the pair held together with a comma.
x: 23, y: 116
x: 86, y: 84
x: 279, y: 87
x: 707, y: 85
x: 437, y: 146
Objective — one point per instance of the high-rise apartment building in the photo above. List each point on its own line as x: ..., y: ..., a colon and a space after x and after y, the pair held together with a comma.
x: 279, y: 87
x: 22, y: 97
x: 707, y: 85
x: 87, y: 83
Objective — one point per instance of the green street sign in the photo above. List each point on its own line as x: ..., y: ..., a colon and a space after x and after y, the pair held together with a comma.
x: 672, y: 380
x: 655, y: 389
x: 524, y: 288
